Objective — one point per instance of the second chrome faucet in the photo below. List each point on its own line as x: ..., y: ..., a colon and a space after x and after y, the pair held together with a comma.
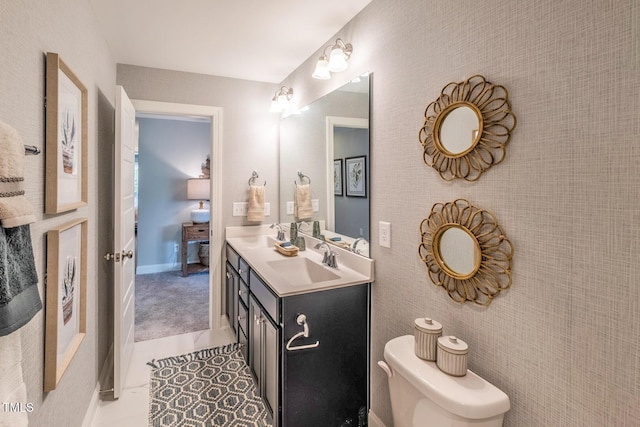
x: 329, y: 258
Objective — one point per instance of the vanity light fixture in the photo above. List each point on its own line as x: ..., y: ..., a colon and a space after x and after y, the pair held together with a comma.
x: 280, y: 101
x: 336, y: 62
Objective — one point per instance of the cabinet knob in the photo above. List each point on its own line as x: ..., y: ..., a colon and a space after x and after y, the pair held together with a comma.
x: 228, y: 275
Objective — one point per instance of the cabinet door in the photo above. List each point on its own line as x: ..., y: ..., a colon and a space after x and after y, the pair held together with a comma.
x: 271, y: 365
x: 231, y: 303
x: 255, y: 339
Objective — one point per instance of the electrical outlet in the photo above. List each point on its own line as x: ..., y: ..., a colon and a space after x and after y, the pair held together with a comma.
x: 315, y: 205
x: 385, y: 234
x: 289, y: 208
x: 240, y: 208
x: 267, y: 209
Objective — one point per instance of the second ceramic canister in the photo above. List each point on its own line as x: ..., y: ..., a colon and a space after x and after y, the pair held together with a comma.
x: 452, y: 356
x: 426, y: 333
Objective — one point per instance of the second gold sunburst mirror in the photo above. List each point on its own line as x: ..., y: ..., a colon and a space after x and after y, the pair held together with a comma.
x: 466, y: 130
x: 466, y: 252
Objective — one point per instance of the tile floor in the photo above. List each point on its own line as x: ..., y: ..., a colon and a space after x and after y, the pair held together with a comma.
x: 132, y: 408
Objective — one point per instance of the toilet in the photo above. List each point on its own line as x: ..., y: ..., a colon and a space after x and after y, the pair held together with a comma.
x: 424, y: 396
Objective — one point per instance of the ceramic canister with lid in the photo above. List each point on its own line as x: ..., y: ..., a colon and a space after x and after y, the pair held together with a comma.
x: 426, y: 333
x: 452, y: 356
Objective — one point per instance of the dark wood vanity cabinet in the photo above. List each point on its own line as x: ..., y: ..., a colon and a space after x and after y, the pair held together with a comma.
x: 237, y: 298
x: 313, y: 386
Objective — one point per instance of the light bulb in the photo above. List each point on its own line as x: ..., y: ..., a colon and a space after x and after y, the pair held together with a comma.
x: 322, y: 72
x: 337, y: 60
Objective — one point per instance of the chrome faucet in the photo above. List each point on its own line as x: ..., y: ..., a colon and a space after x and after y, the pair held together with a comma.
x: 355, y: 245
x: 329, y: 258
x: 280, y: 236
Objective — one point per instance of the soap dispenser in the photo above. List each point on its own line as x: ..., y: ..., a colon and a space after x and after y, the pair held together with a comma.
x: 293, y: 233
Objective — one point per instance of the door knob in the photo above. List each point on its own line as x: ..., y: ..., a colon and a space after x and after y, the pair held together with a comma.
x: 128, y: 254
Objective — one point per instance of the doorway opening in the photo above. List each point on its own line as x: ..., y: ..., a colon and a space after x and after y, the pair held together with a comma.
x: 175, y: 141
x: 171, y: 149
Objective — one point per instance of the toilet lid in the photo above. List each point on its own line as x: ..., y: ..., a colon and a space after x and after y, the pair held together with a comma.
x: 469, y: 396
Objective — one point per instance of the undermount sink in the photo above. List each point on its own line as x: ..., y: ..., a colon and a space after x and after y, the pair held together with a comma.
x: 303, y: 270
x: 255, y: 242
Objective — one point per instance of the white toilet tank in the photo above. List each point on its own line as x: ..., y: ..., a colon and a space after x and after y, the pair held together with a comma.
x: 424, y: 396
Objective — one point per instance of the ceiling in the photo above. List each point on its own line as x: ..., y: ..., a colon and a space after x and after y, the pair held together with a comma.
x: 262, y: 40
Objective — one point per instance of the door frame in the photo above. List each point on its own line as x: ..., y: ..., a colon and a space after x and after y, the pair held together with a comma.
x: 216, y: 231
x: 333, y: 122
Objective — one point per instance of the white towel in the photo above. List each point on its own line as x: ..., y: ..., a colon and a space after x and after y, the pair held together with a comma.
x: 15, y: 209
x: 304, y: 209
x: 255, y: 212
x: 12, y: 387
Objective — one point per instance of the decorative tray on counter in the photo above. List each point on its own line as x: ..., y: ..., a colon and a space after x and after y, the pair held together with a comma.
x: 290, y: 250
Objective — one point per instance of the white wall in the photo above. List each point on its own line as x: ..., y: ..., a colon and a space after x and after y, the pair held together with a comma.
x: 563, y: 342
x: 27, y: 31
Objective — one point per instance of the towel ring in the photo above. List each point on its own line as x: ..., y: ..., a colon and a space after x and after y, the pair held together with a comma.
x: 255, y: 175
x: 302, y: 177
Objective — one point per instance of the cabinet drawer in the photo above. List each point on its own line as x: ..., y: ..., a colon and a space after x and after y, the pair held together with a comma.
x: 197, y: 233
x: 233, y: 258
x: 243, y: 269
x: 264, y: 296
x: 243, y: 293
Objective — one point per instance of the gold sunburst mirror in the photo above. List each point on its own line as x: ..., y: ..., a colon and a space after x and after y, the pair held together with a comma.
x: 466, y: 130
x: 466, y: 252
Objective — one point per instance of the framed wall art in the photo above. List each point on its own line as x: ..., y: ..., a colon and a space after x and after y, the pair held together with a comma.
x: 337, y: 177
x: 66, y: 138
x: 66, y: 290
x: 356, y: 176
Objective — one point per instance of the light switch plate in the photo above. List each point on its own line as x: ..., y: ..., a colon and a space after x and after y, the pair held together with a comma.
x: 315, y: 205
x: 240, y: 208
x: 385, y: 234
x: 267, y: 209
x: 289, y: 208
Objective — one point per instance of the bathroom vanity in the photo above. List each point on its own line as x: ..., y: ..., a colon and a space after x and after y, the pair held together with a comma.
x: 305, y: 327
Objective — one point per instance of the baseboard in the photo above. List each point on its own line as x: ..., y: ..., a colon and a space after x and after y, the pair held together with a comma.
x: 156, y: 268
x: 374, y: 421
x: 92, y: 410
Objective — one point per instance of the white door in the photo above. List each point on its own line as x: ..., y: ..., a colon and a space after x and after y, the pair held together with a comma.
x: 124, y: 239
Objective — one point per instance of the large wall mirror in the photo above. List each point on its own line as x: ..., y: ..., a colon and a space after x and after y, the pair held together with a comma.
x: 328, y: 142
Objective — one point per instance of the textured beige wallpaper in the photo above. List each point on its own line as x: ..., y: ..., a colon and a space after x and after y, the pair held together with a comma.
x: 564, y: 341
x: 27, y: 31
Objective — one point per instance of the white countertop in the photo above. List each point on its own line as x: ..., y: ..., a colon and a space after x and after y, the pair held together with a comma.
x: 256, y: 246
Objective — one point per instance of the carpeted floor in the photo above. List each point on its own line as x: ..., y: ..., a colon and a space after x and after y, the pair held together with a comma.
x: 169, y: 304
x: 212, y: 387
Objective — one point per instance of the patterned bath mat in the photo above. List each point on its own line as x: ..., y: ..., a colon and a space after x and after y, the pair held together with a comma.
x: 211, y: 387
